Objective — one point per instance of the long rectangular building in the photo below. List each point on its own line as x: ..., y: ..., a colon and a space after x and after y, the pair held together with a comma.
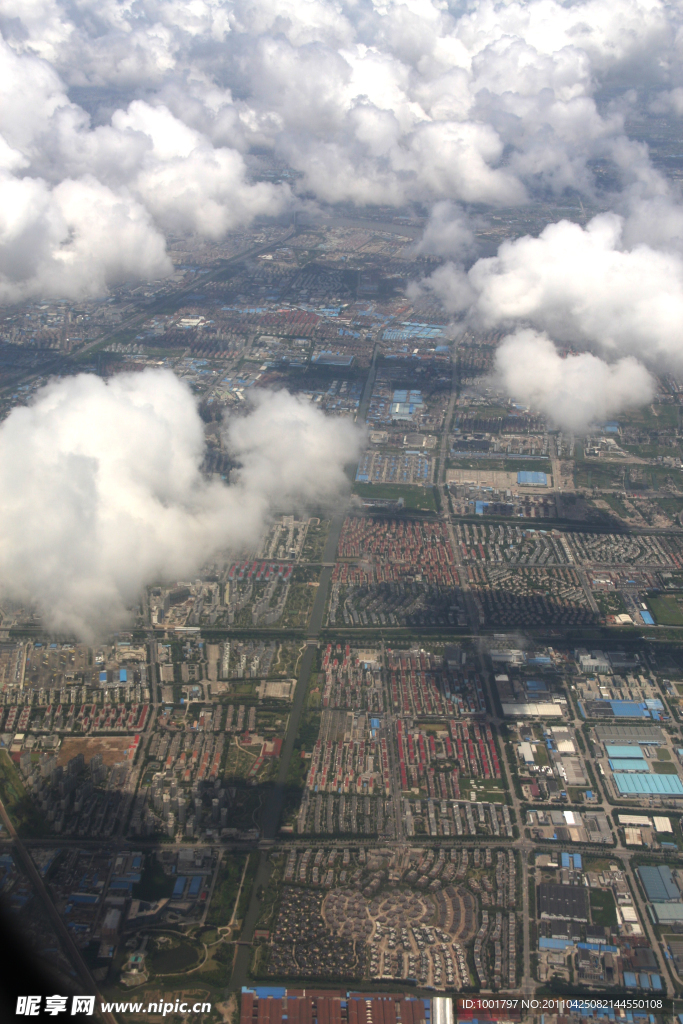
x: 273, y: 1005
x: 566, y: 902
x: 632, y: 784
x: 650, y: 735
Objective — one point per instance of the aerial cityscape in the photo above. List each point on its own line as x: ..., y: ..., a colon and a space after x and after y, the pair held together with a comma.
x: 341, y: 529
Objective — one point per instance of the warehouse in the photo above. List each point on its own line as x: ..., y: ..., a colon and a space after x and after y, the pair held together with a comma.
x: 630, y: 764
x: 650, y: 735
x: 542, y: 709
x: 623, y: 752
x: 668, y: 913
x: 633, y: 784
x: 659, y: 884
x: 569, y: 902
x: 528, y: 479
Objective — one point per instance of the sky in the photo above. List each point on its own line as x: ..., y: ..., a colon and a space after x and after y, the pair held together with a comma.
x: 123, y: 123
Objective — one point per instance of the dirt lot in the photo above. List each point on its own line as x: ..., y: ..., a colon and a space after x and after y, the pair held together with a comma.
x: 110, y: 747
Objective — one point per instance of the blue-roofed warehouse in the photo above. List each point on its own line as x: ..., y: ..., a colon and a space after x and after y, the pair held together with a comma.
x: 659, y: 785
x: 629, y: 709
x: 659, y: 884
x: 628, y: 764
x: 179, y: 888
x: 526, y: 478
x: 621, y: 751
x: 544, y: 943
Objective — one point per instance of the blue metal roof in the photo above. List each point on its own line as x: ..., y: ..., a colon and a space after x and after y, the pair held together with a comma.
x: 632, y: 782
x: 631, y: 764
x: 526, y: 478
x: 659, y: 884
x: 628, y: 709
x: 623, y: 750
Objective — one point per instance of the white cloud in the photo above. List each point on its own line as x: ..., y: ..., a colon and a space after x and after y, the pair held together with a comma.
x: 98, y: 515
x: 392, y: 103
x: 582, y: 286
x: 448, y: 231
x: 51, y: 243
x: 573, y: 392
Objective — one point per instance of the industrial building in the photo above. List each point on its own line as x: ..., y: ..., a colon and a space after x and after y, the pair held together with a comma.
x: 648, y: 735
x: 530, y: 479
x: 659, y: 884
x: 636, y: 784
x: 562, y: 901
x: 273, y: 1004
x: 667, y: 913
x: 536, y: 710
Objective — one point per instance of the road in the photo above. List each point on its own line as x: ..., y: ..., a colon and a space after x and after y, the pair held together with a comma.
x: 275, y: 801
x: 528, y: 984
x: 137, y: 318
x: 274, y: 806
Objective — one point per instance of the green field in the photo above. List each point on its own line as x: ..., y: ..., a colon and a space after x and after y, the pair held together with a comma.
x: 598, y: 474
x: 172, y: 957
x: 670, y: 504
x: 650, y: 451
x: 666, y: 611
x: 664, y: 768
x: 503, y: 464
x: 653, y: 417
x: 663, y: 754
x: 314, y: 545
x: 603, y: 909
x: 616, y: 505
x: 491, y: 790
x: 419, y: 498
x: 609, y: 602
x: 226, y: 888
x: 24, y: 814
x: 540, y: 754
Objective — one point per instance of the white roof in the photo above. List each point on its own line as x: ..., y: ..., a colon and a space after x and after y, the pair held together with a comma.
x: 662, y: 825
x: 634, y: 819
x: 538, y: 710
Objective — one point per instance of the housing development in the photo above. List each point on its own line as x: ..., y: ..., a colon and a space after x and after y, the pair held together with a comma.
x: 420, y: 747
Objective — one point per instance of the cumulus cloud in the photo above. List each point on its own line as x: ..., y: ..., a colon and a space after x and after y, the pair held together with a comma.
x: 573, y: 392
x: 598, y: 288
x: 371, y: 103
x: 583, y: 286
x: 52, y: 244
x: 90, y: 515
x: 448, y: 231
